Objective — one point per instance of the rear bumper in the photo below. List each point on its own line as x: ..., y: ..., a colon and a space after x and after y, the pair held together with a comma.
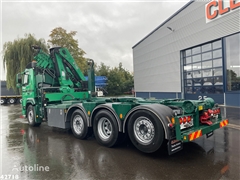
x: 194, y: 133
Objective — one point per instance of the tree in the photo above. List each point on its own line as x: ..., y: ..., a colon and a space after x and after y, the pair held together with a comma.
x: 120, y: 81
x: 102, y: 70
x: 233, y: 82
x: 60, y: 37
x: 17, y: 54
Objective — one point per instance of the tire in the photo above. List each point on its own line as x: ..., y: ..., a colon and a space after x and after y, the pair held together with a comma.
x: 145, y: 131
x: 12, y: 100
x: 79, y: 125
x: 20, y: 100
x: 31, y: 116
x: 105, y: 128
x: 3, y: 101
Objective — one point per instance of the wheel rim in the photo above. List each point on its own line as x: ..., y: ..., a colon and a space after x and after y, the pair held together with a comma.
x: 30, y: 116
x: 20, y: 100
x: 104, y: 128
x: 1, y: 101
x: 78, y: 124
x: 11, y: 101
x: 144, y: 130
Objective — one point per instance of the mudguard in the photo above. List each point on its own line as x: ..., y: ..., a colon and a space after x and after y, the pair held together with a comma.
x: 72, y: 108
x: 109, y: 108
x: 162, y: 112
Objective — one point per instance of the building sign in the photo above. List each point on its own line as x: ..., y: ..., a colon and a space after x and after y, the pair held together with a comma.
x: 217, y: 8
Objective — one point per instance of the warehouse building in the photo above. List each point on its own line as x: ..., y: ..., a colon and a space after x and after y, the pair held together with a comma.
x: 193, y: 54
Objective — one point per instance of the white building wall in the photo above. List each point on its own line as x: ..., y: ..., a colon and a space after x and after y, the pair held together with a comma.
x: 156, y: 59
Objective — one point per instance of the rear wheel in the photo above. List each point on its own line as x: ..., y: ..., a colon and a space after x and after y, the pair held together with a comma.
x: 79, y: 125
x: 145, y: 131
x: 12, y: 100
x: 31, y: 116
x: 105, y: 128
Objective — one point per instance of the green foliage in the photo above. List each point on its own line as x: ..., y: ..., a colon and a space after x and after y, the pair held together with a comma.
x: 102, y: 70
x: 60, y: 37
x: 17, y: 54
x: 120, y: 81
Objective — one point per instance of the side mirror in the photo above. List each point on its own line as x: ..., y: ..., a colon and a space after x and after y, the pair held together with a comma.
x: 19, y: 85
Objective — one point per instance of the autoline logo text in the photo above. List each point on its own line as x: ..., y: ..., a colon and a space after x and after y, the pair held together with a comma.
x: 35, y: 167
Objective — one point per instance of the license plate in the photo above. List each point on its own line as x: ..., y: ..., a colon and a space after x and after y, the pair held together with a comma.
x: 209, y: 134
x: 174, y: 146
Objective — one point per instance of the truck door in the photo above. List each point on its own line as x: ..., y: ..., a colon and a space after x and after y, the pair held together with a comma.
x: 27, y: 88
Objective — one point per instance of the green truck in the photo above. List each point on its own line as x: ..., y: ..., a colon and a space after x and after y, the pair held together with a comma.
x: 55, y: 90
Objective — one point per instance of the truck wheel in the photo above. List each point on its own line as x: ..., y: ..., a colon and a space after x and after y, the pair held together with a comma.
x: 12, y: 100
x: 145, y: 131
x: 20, y: 101
x: 105, y: 128
x: 79, y: 125
x: 3, y: 101
x: 31, y: 116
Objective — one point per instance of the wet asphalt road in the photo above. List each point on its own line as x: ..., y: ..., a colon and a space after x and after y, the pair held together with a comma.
x: 48, y: 153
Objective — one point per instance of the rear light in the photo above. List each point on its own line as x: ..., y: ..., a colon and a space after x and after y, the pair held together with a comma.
x: 184, y: 119
x: 185, y: 122
x: 180, y: 120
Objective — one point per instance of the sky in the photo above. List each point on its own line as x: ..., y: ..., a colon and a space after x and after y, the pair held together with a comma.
x: 106, y: 30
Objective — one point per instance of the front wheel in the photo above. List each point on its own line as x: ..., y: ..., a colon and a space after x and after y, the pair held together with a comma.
x: 31, y: 116
x: 145, y: 131
x: 79, y: 125
x: 105, y: 128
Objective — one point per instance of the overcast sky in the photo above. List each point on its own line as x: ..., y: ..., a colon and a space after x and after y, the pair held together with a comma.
x: 106, y: 31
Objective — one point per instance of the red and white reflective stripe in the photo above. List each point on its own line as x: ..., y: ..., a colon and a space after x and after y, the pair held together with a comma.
x: 195, y: 135
x: 224, y: 123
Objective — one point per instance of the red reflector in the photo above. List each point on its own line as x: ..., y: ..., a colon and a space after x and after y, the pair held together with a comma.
x: 189, y: 118
x: 22, y: 131
x: 170, y: 125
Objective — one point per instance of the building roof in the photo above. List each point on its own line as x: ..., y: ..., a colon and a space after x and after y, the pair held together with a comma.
x: 176, y: 13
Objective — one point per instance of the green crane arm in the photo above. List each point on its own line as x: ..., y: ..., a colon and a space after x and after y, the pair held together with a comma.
x: 65, y: 69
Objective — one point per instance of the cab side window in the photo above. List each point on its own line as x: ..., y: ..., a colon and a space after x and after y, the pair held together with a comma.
x: 25, y: 80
